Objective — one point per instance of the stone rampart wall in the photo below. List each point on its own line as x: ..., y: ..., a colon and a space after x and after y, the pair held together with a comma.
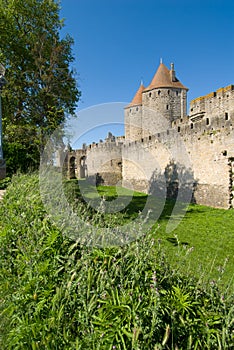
x: 191, y: 157
x: 104, y: 163
x: 201, y: 156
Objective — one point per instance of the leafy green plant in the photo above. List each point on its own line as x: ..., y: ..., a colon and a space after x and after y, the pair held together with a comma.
x: 57, y: 294
x: 4, y: 183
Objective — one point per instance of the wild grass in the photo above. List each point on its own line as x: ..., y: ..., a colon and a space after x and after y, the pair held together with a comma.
x: 58, y: 294
x: 4, y: 183
x: 202, y: 244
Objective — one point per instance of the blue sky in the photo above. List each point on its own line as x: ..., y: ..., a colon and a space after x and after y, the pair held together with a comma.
x: 118, y: 43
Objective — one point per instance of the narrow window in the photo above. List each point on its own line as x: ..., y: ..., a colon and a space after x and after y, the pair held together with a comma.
x: 207, y: 121
x: 137, y: 109
x: 191, y: 125
x: 178, y: 129
x: 167, y: 107
x: 149, y: 137
x: 168, y: 92
x: 177, y: 93
x: 150, y: 94
x: 226, y: 116
x: 159, y: 92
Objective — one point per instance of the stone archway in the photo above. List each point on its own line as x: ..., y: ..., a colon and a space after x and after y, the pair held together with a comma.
x: 83, y: 167
x: 72, y: 167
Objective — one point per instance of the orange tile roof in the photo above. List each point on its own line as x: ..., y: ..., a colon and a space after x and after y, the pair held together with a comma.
x: 137, y: 99
x: 162, y: 78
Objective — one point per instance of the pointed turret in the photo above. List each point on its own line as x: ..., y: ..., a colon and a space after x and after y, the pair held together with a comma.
x: 137, y: 99
x: 133, y: 116
x: 165, y: 78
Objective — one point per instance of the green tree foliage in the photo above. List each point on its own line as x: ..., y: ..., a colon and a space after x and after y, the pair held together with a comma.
x: 41, y: 88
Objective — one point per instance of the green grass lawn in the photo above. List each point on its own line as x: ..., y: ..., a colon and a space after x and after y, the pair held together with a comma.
x: 202, y: 243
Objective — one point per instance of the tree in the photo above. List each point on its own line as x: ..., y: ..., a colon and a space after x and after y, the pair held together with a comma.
x: 42, y: 88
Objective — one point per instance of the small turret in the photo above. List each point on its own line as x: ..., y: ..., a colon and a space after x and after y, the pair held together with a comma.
x: 172, y: 73
x: 133, y: 116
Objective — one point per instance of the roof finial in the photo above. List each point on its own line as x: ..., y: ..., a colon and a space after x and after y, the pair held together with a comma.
x: 142, y: 81
x: 161, y: 60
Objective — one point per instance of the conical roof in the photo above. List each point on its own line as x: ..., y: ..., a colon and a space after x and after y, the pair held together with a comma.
x: 163, y: 79
x: 137, y: 99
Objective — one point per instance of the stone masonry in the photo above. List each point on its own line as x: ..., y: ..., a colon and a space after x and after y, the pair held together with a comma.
x: 166, y: 150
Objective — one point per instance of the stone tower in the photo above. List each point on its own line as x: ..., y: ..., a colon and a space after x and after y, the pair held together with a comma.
x: 163, y: 101
x: 133, y: 116
x: 155, y: 108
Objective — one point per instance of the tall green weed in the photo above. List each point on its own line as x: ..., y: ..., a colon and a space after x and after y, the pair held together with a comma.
x: 58, y: 294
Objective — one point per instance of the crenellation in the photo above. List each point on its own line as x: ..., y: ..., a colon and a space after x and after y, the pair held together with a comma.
x: 160, y: 135
x: 217, y: 103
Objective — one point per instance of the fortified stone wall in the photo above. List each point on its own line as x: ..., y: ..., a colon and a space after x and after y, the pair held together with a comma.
x: 164, y: 163
x: 166, y: 152
x: 217, y: 103
x: 210, y: 155
x: 104, y: 163
x: 76, y: 163
x: 207, y: 138
x: 206, y: 159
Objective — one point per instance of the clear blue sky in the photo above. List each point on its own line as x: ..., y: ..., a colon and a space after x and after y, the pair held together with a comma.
x: 120, y: 42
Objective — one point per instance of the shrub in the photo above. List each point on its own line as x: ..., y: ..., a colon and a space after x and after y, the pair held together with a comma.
x: 4, y: 183
x: 57, y: 294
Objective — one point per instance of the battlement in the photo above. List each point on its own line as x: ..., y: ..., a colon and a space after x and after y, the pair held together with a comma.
x: 105, y: 145
x: 216, y: 93
x: 217, y: 104
x: 159, y: 133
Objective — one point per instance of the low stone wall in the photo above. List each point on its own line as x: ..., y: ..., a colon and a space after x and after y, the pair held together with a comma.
x: 212, y: 195
x: 106, y: 179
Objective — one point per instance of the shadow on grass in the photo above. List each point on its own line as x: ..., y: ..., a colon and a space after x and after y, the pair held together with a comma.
x: 175, y: 242
x: 136, y: 201
x: 195, y: 209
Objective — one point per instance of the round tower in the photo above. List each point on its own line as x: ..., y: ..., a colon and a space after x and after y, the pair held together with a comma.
x: 133, y: 116
x: 166, y: 96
